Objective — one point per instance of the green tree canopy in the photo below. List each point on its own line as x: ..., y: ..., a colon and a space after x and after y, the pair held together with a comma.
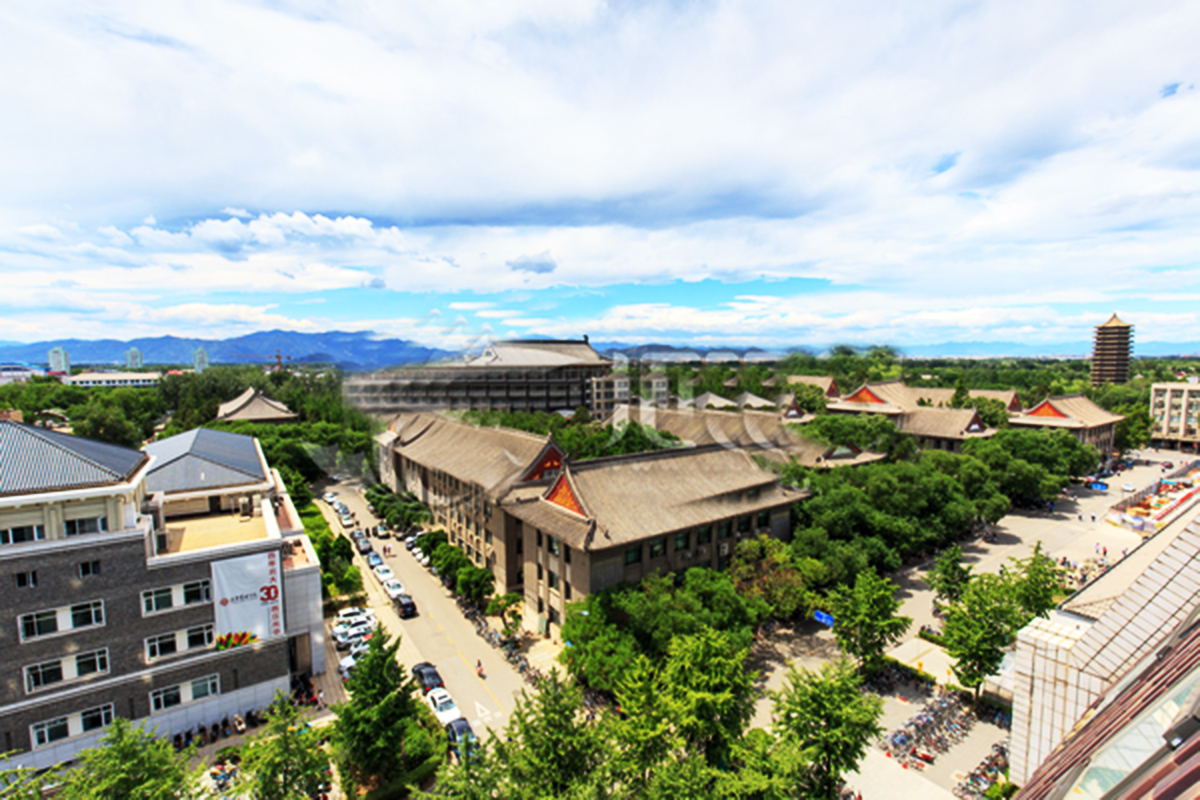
x: 865, y: 616
x: 287, y: 760
x: 132, y: 764
x: 949, y: 577
x: 981, y: 626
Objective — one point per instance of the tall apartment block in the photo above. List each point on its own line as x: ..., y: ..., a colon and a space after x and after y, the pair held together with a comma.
x: 59, y: 361
x: 173, y: 587
x: 1175, y: 408
x: 1111, y: 351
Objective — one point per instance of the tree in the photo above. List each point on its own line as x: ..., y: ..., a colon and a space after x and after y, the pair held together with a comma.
x: 581, y: 416
x: 764, y: 572
x: 476, y: 583
x: 826, y: 720
x: 865, y: 619
x: 287, y: 761
x: 19, y: 782
x: 376, y: 723
x: 710, y: 691
x: 1037, y: 581
x: 132, y: 764
x: 509, y: 608
x: 980, y: 628
x: 949, y: 577
x: 645, y: 731
x: 106, y: 423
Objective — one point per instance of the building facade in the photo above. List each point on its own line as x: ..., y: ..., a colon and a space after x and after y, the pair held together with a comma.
x: 144, y: 380
x: 1111, y: 351
x: 1086, y: 421
x: 133, y: 358
x: 608, y: 392
x: 1175, y: 408
x: 113, y: 607
x: 59, y: 361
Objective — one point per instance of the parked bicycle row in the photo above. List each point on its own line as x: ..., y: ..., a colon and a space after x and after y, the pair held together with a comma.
x: 991, y: 769
x: 941, y: 724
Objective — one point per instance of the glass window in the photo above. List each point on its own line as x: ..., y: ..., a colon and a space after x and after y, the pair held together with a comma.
x: 198, y: 592
x: 633, y: 554
x: 165, y: 698
x: 200, y: 637
x: 567, y: 590
x: 87, y: 568
x: 77, y: 527
x: 704, y: 535
x: 724, y: 529
x: 658, y: 547
x: 744, y: 524
x: 539, y: 538
x: 41, y: 675
x: 42, y: 623
x: 22, y: 533
x: 87, y: 614
x: 753, y: 494
x: 764, y: 520
x: 26, y: 580
x: 156, y: 600
x: 567, y: 553
x: 93, y: 662
x: 203, y: 687
x: 161, y: 646
x: 96, y: 718
x: 552, y: 579
x: 52, y: 731
x: 682, y: 539
x: 539, y: 571
x: 552, y: 544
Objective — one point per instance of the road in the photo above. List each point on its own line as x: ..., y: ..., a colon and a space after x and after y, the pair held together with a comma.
x: 439, y: 633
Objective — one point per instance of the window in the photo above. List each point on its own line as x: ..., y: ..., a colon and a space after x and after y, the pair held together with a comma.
x: 744, y: 524
x: 633, y: 554
x: 26, y: 580
x: 567, y: 590
x: 90, y: 663
x: 162, y: 699
x: 764, y: 520
x: 752, y: 494
x: 200, y: 637
x: 552, y: 544
x: 520, y: 545
x: 541, y: 605
x: 78, y: 527
x: 42, y: 623
x: 156, y: 600
x: 203, y: 687
x: 52, y: 731
x: 96, y: 718
x: 487, y: 536
x: 22, y: 533
x: 39, y: 676
x: 682, y: 540
x: 552, y: 579
x: 567, y: 553
x: 704, y: 535
x: 724, y: 529
x: 539, y: 538
x: 161, y: 646
x: 88, y: 568
x: 198, y: 592
x: 658, y: 547
x: 539, y: 568
x: 85, y: 615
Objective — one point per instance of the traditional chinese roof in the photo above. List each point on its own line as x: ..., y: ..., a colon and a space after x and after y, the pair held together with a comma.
x: 747, y: 400
x: 1070, y: 411
x: 944, y: 423
x: 253, y: 406
x: 710, y: 400
x: 38, y: 460
x: 895, y: 397
x: 823, y: 382
x: 537, y: 353
x: 1115, y: 322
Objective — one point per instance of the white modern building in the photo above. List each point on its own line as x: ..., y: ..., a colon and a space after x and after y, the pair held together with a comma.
x: 143, y: 380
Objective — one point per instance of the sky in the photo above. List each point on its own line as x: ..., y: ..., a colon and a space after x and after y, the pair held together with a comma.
x: 706, y: 173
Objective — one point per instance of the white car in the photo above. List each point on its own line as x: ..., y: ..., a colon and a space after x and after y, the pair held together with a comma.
x: 393, y: 588
x: 343, y: 635
x: 352, y: 614
x: 347, y: 663
x: 1129, y: 487
x: 423, y: 560
x: 384, y: 573
x: 443, y: 706
x: 329, y: 497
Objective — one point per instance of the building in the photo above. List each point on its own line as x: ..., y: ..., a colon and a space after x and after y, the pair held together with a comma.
x: 608, y: 392
x: 924, y: 413
x: 200, y: 360
x: 1086, y: 421
x: 1175, y: 408
x: 497, y: 494
x: 1111, y: 351
x: 655, y: 386
x: 117, y: 607
x: 709, y: 400
x: 254, y: 406
x: 18, y: 373
x: 823, y: 382
x: 144, y: 380
x: 12, y: 414
x: 133, y: 358
x: 518, y: 375
x: 59, y: 361
x: 1091, y: 646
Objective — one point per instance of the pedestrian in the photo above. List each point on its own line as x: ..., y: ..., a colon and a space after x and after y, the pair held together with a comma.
x: 321, y: 698
x: 1093, y: 517
x: 1097, y: 548
x: 1124, y: 552
x: 1106, y: 552
x: 1081, y: 517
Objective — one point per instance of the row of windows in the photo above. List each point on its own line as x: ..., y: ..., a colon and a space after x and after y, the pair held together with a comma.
x: 80, y: 665
x: 555, y: 547
x: 658, y: 547
x: 54, y: 730
x: 171, y: 696
x: 168, y: 597
x: 45, y: 623
x: 29, y: 578
x: 20, y: 534
x: 169, y: 644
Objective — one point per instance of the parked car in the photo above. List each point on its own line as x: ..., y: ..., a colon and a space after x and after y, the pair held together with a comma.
x: 346, y: 521
x: 427, y: 676
x: 384, y: 573
x: 329, y: 497
x: 442, y: 705
x: 374, y: 560
x: 462, y: 738
x: 406, y: 607
x: 363, y: 545
x: 423, y: 560
x: 1129, y: 487
x: 393, y: 588
x: 382, y: 530
x: 1168, y: 465
x: 410, y: 543
x: 347, y: 663
x: 346, y: 635
x: 351, y: 612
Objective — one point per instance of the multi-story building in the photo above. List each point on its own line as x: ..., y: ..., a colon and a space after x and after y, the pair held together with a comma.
x: 924, y: 413
x: 18, y: 373
x: 133, y: 358
x: 115, y: 606
x: 608, y: 392
x: 555, y: 531
x: 200, y: 360
x: 1086, y: 421
x: 655, y: 386
x: 1175, y: 408
x: 143, y: 380
x: 519, y: 375
x: 1111, y: 351
x: 59, y: 361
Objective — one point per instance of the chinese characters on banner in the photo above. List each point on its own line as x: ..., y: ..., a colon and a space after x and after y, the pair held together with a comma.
x: 247, y: 592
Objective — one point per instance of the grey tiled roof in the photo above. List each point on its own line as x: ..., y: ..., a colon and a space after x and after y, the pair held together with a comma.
x: 203, y: 459
x: 38, y: 460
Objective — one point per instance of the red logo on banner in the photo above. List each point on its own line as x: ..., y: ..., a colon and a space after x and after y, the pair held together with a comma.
x: 224, y: 601
x: 268, y: 594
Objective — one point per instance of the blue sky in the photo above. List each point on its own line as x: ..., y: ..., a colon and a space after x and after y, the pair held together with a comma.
x: 756, y: 173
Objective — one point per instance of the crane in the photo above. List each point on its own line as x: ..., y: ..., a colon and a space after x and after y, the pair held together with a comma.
x: 279, y: 357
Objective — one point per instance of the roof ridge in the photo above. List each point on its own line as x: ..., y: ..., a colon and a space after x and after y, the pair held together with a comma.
x: 40, y: 435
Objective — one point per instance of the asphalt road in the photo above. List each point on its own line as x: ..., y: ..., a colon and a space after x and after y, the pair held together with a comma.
x: 439, y: 633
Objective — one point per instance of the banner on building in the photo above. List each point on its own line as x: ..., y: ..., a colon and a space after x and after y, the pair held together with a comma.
x: 247, y: 593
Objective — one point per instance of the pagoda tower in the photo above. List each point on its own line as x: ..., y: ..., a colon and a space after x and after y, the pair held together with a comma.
x: 1110, y: 354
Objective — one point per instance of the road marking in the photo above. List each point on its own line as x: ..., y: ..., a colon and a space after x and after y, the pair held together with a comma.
x: 482, y: 711
x: 482, y: 682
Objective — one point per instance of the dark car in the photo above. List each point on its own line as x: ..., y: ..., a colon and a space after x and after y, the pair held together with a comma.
x: 405, y: 606
x: 427, y: 677
x: 410, y: 544
x: 462, y: 738
x: 364, y: 545
x: 374, y: 560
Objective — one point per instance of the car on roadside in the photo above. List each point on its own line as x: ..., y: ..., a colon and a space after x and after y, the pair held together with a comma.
x: 462, y: 738
x: 363, y: 545
x: 406, y: 607
x: 393, y: 587
x: 423, y: 560
x: 1129, y: 487
x: 374, y: 560
x: 383, y: 573
x: 344, y: 636
x: 410, y: 544
x: 356, y: 652
x: 1168, y: 465
x: 442, y: 705
x: 352, y: 614
x: 329, y: 497
x: 382, y: 530
x: 427, y: 677
x: 346, y: 521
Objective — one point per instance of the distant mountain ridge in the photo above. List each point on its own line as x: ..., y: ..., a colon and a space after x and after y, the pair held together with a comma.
x: 351, y: 350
